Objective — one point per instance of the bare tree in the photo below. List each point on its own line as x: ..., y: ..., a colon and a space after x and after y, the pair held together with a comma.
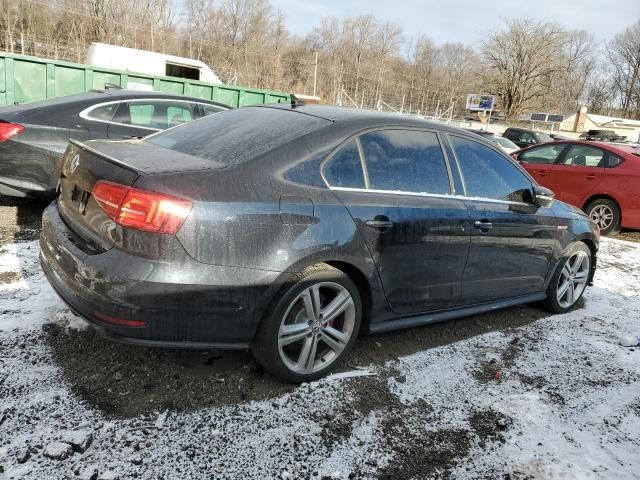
x: 624, y: 54
x: 520, y: 61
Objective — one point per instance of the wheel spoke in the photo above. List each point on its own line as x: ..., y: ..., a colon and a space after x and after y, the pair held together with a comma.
x: 577, y: 263
x: 581, y: 276
x: 570, y: 293
x: 335, y: 339
x: 293, y: 333
x: 308, y: 305
x: 338, y: 305
x: 566, y: 270
x: 563, y: 289
x: 315, y: 297
x: 307, y: 355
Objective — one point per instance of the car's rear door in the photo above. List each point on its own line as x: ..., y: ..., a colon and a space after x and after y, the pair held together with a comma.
x: 397, y: 187
x: 579, y: 171
x: 512, y: 239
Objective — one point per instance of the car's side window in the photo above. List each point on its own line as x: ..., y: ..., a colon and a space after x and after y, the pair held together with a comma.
x: 487, y: 174
x: 405, y: 161
x: 210, y: 109
x: 547, y: 154
x: 103, y: 112
x: 584, y: 156
x: 154, y: 114
x: 178, y: 113
x: 613, y: 160
x: 142, y: 114
x: 344, y: 168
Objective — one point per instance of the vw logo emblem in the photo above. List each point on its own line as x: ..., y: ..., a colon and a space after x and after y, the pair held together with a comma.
x: 74, y: 163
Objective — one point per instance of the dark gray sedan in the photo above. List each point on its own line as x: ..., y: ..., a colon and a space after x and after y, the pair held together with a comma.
x: 34, y: 136
x: 288, y: 230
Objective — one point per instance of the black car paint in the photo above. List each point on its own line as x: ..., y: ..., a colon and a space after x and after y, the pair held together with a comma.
x: 30, y: 161
x: 512, y: 133
x: 252, y: 225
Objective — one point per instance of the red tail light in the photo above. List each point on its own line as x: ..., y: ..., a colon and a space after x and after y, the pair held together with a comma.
x: 141, y: 209
x: 8, y: 130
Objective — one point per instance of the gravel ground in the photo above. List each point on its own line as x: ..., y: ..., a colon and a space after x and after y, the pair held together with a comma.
x: 513, y: 394
x: 629, y: 235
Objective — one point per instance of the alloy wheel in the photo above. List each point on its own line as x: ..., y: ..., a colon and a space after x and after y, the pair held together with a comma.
x: 602, y: 215
x: 316, y: 327
x: 573, y: 279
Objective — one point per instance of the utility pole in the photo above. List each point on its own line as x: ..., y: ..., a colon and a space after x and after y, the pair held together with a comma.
x: 315, y: 75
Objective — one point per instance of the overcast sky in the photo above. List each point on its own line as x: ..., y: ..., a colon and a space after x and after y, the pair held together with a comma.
x: 466, y: 20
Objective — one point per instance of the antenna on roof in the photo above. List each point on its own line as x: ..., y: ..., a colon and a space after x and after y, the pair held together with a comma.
x: 112, y: 85
x: 298, y: 100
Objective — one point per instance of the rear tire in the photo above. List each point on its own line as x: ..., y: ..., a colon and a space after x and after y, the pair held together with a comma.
x: 606, y: 214
x: 570, y: 279
x: 311, y: 325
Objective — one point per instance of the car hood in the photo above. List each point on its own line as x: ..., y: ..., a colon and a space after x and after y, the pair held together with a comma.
x: 563, y: 209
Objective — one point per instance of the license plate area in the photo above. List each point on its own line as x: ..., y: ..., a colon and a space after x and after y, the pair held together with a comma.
x: 79, y: 199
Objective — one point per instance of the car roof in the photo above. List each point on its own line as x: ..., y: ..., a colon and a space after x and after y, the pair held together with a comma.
x: 347, y: 115
x: 107, y: 95
x: 612, y: 147
x: 521, y: 129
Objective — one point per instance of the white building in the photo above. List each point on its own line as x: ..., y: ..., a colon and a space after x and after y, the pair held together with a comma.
x: 583, y: 122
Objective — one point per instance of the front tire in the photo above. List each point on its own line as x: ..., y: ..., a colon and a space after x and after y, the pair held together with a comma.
x: 606, y: 214
x: 569, y: 280
x: 311, y: 326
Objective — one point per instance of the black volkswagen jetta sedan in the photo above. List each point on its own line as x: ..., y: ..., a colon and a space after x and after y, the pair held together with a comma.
x: 288, y: 230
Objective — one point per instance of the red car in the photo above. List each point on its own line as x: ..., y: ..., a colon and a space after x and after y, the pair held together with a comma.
x: 601, y: 178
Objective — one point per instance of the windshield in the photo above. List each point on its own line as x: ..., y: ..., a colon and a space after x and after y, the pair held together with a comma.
x: 235, y: 136
x: 543, y: 137
x: 506, y: 143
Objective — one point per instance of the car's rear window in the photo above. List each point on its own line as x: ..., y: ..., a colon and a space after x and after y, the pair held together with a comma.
x: 236, y: 136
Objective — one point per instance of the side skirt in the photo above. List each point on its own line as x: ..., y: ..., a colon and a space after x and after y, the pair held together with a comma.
x: 414, y: 321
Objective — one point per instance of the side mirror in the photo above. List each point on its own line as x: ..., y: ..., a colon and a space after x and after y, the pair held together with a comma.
x: 542, y: 197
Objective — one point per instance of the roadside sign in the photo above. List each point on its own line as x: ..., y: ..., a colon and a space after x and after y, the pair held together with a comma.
x: 480, y: 102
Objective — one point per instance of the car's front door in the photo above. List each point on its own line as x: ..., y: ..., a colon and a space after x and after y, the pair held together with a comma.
x: 512, y: 239
x: 397, y: 187
x: 540, y: 163
x: 579, y: 171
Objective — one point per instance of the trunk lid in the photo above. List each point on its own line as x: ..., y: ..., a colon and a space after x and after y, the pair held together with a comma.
x: 84, y: 164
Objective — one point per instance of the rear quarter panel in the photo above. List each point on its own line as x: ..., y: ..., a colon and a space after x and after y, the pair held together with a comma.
x: 622, y: 183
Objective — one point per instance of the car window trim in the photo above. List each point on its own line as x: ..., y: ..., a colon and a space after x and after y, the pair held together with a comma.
x: 85, y: 113
x: 363, y: 165
x: 426, y: 195
x: 503, y: 155
x: 357, y: 135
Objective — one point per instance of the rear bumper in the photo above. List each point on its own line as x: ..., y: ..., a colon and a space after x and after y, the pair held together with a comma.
x: 180, y: 304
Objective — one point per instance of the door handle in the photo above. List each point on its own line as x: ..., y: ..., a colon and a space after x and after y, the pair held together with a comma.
x: 591, y: 176
x: 379, y: 223
x: 540, y: 173
x: 483, y: 225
